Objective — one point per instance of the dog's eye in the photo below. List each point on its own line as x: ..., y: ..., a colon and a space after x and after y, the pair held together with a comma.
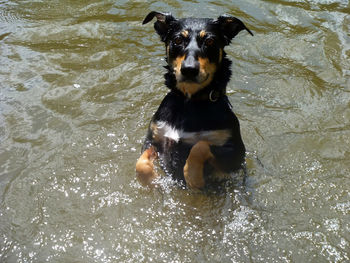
x: 209, y: 42
x: 178, y: 40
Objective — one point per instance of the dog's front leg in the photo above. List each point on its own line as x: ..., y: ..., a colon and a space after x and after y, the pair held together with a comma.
x: 193, y: 169
x: 145, y: 172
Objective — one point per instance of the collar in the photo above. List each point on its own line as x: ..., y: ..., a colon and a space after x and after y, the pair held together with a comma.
x: 211, y: 95
x: 207, y: 94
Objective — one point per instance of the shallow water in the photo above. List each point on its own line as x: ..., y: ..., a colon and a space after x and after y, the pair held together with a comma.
x: 79, y: 81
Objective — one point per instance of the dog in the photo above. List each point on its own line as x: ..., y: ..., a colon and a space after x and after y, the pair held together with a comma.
x: 194, y: 133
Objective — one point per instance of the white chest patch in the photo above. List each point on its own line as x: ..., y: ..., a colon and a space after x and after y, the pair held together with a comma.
x: 162, y: 130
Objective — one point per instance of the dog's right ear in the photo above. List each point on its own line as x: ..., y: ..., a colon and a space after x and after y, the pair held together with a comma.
x: 162, y: 24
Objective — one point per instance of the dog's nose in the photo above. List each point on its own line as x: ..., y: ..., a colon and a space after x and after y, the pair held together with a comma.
x: 190, y: 67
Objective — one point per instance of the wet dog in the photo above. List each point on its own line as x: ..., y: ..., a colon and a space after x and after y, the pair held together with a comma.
x: 194, y: 132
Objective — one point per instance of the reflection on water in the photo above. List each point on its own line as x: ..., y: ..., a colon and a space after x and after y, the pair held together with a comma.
x: 79, y: 81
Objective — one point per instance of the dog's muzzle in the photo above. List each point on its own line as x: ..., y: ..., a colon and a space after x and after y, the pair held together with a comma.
x: 190, y: 68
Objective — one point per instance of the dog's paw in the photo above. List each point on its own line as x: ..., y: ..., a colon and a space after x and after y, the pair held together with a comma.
x: 193, y: 169
x: 145, y: 172
x: 194, y: 175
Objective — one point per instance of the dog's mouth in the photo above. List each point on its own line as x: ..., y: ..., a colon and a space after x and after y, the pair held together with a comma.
x: 190, y: 86
x: 191, y: 79
x: 199, y: 79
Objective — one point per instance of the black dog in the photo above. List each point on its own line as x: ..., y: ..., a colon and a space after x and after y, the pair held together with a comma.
x: 194, y: 131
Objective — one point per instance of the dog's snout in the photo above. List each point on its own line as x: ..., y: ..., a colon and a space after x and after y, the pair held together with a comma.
x: 190, y: 67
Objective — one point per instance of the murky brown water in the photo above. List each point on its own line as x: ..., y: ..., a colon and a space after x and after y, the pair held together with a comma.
x: 79, y: 81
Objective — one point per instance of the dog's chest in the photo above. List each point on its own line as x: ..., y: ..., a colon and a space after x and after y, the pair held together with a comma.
x: 163, y: 132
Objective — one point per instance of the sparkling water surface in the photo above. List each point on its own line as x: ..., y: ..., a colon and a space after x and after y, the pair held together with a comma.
x: 79, y: 82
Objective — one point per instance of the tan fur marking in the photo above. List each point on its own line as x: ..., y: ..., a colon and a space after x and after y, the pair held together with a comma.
x: 202, y: 34
x: 216, y: 137
x: 206, y: 72
x: 206, y: 67
x: 193, y: 169
x: 184, y: 87
x: 145, y: 172
x: 219, y: 137
x: 185, y: 33
x: 177, y: 64
x: 189, y: 88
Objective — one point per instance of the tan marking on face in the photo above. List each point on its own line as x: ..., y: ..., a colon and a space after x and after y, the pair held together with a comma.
x: 185, y: 33
x: 177, y: 65
x: 188, y: 88
x: 206, y: 74
x: 206, y: 67
x: 202, y: 34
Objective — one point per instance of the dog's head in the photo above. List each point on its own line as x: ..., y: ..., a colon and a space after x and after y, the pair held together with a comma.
x: 194, y: 46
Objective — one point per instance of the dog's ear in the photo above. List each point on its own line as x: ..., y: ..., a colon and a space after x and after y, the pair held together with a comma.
x: 162, y: 24
x: 230, y: 26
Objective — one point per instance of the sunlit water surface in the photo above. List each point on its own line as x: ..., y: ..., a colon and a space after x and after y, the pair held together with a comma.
x: 79, y: 81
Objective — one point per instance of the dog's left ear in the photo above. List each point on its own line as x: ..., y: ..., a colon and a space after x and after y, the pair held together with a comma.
x: 162, y: 24
x: 230, y: 26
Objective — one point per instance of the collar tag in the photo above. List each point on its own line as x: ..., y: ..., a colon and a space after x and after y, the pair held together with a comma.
x: 213, y: 97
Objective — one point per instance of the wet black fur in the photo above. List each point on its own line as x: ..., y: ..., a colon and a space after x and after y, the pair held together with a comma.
x: 198, y: 113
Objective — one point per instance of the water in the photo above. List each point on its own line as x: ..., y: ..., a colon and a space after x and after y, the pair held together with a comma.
x: 79, y: 81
